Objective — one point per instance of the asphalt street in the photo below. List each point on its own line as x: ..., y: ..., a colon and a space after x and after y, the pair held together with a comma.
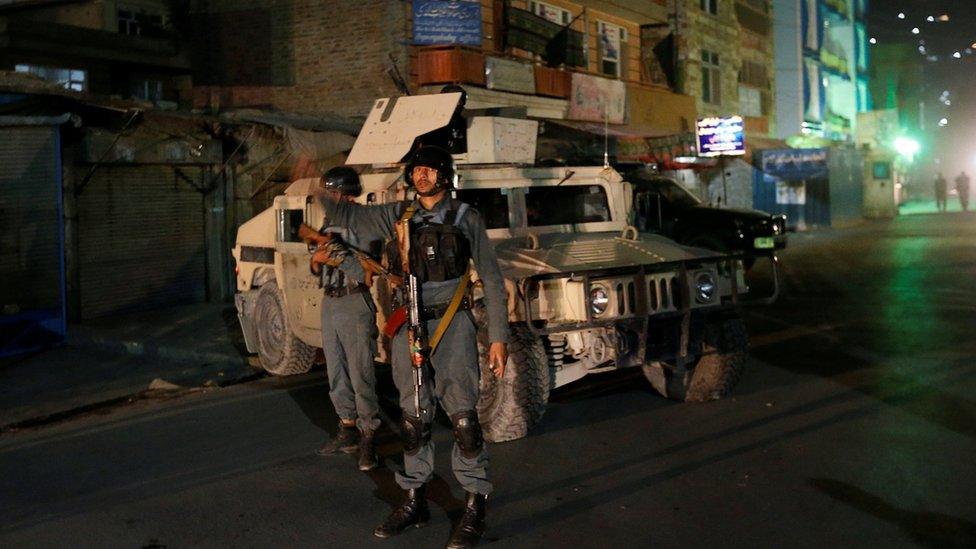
x: 854, y: 425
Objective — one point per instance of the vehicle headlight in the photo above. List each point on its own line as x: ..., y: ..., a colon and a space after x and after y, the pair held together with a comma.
x: 599, y: 299
x: 704, y: 287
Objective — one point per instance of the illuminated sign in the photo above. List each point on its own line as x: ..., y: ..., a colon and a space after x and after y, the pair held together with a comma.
x: 721, y: 136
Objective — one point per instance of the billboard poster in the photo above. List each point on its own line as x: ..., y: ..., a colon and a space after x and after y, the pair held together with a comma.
x: 437, y: 22
x: 721, y: 136
x: 594, y: 99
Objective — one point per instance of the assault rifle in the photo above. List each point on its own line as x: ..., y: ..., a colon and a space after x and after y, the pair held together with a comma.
x: 416, y: 329
x: 370, y: 266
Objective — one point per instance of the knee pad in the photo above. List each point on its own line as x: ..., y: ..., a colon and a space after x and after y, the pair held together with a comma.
x: 467, y: 433
x: 416, y: 433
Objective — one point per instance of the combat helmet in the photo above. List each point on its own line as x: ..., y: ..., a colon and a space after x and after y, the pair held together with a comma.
x: 436, y: 158
x: 343, y: 179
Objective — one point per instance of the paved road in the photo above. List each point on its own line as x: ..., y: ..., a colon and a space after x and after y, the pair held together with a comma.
x: 854, y: 425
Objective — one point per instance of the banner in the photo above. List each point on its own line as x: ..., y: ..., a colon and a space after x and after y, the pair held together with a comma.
x: 595, y: 99
x: 437, y: 22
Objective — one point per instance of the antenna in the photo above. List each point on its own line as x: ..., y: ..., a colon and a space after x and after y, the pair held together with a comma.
x: 606, y: 139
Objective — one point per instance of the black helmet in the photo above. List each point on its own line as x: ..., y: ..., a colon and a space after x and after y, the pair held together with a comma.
x: 432, y: 157
x: 343, y: 179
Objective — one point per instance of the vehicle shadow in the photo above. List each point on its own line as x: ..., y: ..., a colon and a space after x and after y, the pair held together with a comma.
x: 926, y: 529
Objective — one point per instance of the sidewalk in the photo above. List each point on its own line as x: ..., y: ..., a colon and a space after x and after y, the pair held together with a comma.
x: 110, y: 361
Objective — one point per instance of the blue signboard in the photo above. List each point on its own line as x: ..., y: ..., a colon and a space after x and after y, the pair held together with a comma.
x: 721, y: 136
x: 447, y: 22
x: 793, y: 164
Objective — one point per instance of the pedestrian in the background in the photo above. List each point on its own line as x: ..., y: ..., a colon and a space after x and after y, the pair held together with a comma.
x: 941, y: 190
x: 348, y: 331
x: 962, y: 187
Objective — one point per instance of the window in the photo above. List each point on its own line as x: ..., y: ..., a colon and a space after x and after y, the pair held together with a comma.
x: 71, y: 79
x: 566, y: 205
x: 750, y: 101
x: 613, y: 39
x: 710, y: 6
x: 148, y: 90
x: 711, y: 78
x: 492, y: 204
x: 552, y: 13
x: 139, y: 23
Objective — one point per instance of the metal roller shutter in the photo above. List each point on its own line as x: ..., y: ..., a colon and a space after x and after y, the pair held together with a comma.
x: 31, y: 256
x: 141, y: 240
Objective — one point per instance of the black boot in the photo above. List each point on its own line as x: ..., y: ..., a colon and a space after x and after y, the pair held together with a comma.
x: 472, y: 524
x: 345, y: 441
x: 413, y: 512
x: 367, y: 450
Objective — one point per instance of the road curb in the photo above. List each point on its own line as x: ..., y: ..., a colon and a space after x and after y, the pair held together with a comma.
x: 151, y: 350
x: 50, y: 418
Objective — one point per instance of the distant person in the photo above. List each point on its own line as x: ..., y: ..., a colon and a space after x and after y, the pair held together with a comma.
x: 962, y: 187
x: 941, y: 190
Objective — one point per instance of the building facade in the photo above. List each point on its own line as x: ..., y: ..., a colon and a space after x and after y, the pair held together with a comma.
x: 591, y: 63
x: 725, y: 52
x: 822, y: 64
x: 131, y: 49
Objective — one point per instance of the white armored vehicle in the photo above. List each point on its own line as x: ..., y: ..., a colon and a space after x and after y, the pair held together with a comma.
x: 586, y: 291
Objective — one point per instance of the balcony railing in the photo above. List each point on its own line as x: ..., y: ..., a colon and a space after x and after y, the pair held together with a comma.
x: 450, y: 65
x: 460, y: 65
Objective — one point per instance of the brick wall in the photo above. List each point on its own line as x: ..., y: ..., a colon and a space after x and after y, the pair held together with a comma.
x: 303, y: 56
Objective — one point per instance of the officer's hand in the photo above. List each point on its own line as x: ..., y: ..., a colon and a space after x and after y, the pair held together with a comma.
x: 319, y: 258
x: 497, y: 358
x: 335, y: 252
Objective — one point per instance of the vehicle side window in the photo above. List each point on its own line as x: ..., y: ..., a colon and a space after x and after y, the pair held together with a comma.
x: 288, y: 223
x: 646, y: 210
x: 492, y: 204
x: 566, y: 205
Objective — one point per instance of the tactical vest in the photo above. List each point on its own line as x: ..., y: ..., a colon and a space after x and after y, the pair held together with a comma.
x: 438, y: 251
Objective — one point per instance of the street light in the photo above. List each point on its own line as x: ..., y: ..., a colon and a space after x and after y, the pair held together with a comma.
x: 907, y: 147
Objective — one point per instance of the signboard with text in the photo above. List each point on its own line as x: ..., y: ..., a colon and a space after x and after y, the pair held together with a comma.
x: 447, y: 22
x: 721, y: 136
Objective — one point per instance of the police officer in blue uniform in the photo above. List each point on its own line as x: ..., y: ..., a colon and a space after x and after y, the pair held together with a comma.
x: 348, y: 330
x: 446, y: 235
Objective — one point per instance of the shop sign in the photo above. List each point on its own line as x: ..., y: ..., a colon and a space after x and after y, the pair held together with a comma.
x: 721, y: 136
x: 438, y: 22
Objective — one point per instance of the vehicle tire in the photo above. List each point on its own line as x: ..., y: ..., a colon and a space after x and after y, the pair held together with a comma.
x: 509, y: 407
x: 716, y: 371
x: 281, y: 353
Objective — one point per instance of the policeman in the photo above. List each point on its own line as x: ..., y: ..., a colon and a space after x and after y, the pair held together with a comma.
x: 446, y: 235
x: 348, y: 331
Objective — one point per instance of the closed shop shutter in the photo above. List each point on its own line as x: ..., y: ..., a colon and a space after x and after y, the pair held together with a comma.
x: 31, y: 257
x: 141, y: 240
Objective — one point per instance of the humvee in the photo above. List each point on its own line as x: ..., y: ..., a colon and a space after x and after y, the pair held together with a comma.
x: 587, y: 292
